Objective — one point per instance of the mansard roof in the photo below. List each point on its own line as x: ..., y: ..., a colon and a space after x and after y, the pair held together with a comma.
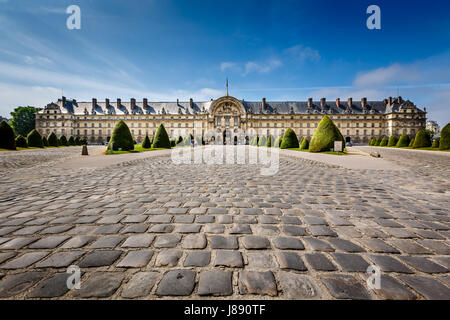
x: 271, y: 107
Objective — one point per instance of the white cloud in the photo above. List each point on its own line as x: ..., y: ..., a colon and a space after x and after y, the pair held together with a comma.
x: 264, y: 67
x: 224, y: 66
x: 395, y: 73
x: 301, y: 53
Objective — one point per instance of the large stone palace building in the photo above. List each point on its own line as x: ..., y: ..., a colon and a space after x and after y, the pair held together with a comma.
x: 224, y: 119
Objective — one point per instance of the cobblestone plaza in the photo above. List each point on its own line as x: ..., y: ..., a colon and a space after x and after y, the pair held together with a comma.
x: 146, y: 228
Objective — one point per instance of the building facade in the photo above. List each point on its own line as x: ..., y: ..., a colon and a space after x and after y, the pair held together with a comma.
x: 433, y: 126
x: 229, y: 120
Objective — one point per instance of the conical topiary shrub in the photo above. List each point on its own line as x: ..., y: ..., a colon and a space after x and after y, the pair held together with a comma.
x: 444, y: 141
x: 45, y: 141
x: 146, y: 143
x: 378, y: 141
x: 161, y: 139
x: 71, y: 141
x: 172, y: 143
x: 63, y: 140
x: 371, y: 142
x: 52, y: 140
x: 392, y: 141
x: 77, y: 141
x: 422, y: 139
x: 434, y: 145
x: 384, y: 142
x: 83, y: 141
x: 179, y: 141
x: 325, y: 136
x: 7, y: 138
x: 269, y: 142
x: 254, y: 141
x: 121, y: 138
x: 411, y: 143
x: 34, y: 139
x: 289, y: 140
x: 403, y: 141
x: 277, y: 142
x: 262, y: 141
x: 21, y: 142
x: 305, y: 144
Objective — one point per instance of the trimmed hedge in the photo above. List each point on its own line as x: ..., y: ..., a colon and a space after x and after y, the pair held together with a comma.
x: 34, y: 139
x: 146, y: 143
x: 434, y: 145
x: 21, y: 142
x: 84, y: 142
x: 161, y: 139
x: 7, y: 140
x: 52, y: 140
x: 422, y: 139
x: 444, y: 141
x: 262, y: 141
x: 63, y: 140
x: 403, y: 141
x: 289, y: 140
x: 45, y: 141
x: 378, y: 141
x: 77, y: 141
x: 384, y: 142
x: 411, y: 143
x: 305, y: 144
x: 392, y: 141
x: 71, y: 141
x: 121, y: 138
x: 325, y: 136
x: 277, y: 142
x: 254, y: 141
x: 372, y: 141
x: 269, y: 143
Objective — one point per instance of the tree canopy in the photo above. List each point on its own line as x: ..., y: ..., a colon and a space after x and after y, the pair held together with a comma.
x: 23, y: 120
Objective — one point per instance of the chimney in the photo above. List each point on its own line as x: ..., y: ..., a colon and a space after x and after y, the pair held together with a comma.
x: 133, y: 103
x: 191, y: 103
x: 350, y: 102
x: 390, y: 101
x: 119, y: 102
x: 363, y: 103
x: 400, y: 100
x: 310, y: 102
x: 178, y: 101
x: 385, y: 101
x: 94, y: 103
x: 264, y: 103
x: 322, y: 103
x: 145, y: 103
x: 74, y: 101
x: 338, y: 102
x: 63, y: 101
x: 107, y: 102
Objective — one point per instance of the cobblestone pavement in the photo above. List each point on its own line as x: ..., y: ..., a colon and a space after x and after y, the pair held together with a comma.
x: 151, y: 229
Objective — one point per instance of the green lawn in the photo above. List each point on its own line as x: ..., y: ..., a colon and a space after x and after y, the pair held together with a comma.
x: 31, y: 148
x: 137, y: 148
x: 326, y: 152
x: 411, y: 148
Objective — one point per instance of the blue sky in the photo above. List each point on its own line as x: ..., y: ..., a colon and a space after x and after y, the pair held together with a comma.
x: 281, y: 50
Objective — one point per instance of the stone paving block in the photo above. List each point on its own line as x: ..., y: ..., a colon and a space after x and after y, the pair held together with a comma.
x: 25, y: 260
x: 135, y: 228
x: 319, y: 262
x: 345, y: 287
x: 351, y: 262
x: 60, y: 259
x: 109, y: 242
x: 167, y: 241
x: 163, y: 218
x: 215, y: 283
x: 444, y: 261
x: 296, y: 286
x: 268, y: 219
x: 176, y: 211
x: 28, y: 230
x: 253, y: 282
x: 240, y: 229
x: 53, y: 287
x: 136, y: 259
x: 189, y: 228
x: 389, y: 264
x: 18, y: 243
x: 221, y: 242
x: 161, y: 228
x: 206, y: 219
x: 99, y: 258
x: 437, y: 246
x: 17, y: 283
x: 261, y: 260
x: 345, y: 245
x: 4, y: 256
x: 50, y: 242
x: 224, y: 219
x: 255, y: 242
x: 294, y: 230
x: 99, y: 285
x: 423, y: 264
x: 77, y: 242
x: 140, y: 285
x: 138, y: 241
x: 288, y: 243
x: 378, y: 246
x: 186, y: 219
x: 319, y: 245
x: 168, y: 257
x: 229, y: 258
x: 290, y: 220
x: 427, y: 287
x: 290, y: 260
x: 391, y: 289
x: 194, y: 241
x: 108, y: 229
x: 197, y: 259
x: 321, y: 230
x: 176, y: 283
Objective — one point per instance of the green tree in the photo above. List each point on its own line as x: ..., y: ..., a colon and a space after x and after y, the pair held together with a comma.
x: 392, y: 141
x: 422, y: 140
x: 146, y: 143
x: 269, y: 141
x: 52, y: 140
x: 262, y: 141
x: 290, y: 140
x: 161, y: 139
x: 71, y: 141
x: 7, y: 139
x: 444, y: 141
x: 63, y: 140
x: 24, y: 120
x: 325, y: 136
x: 21, y: 142
x: 121, y: 137
x: 403, y: 141
x: 34, y: 139
x: 305, y: 144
